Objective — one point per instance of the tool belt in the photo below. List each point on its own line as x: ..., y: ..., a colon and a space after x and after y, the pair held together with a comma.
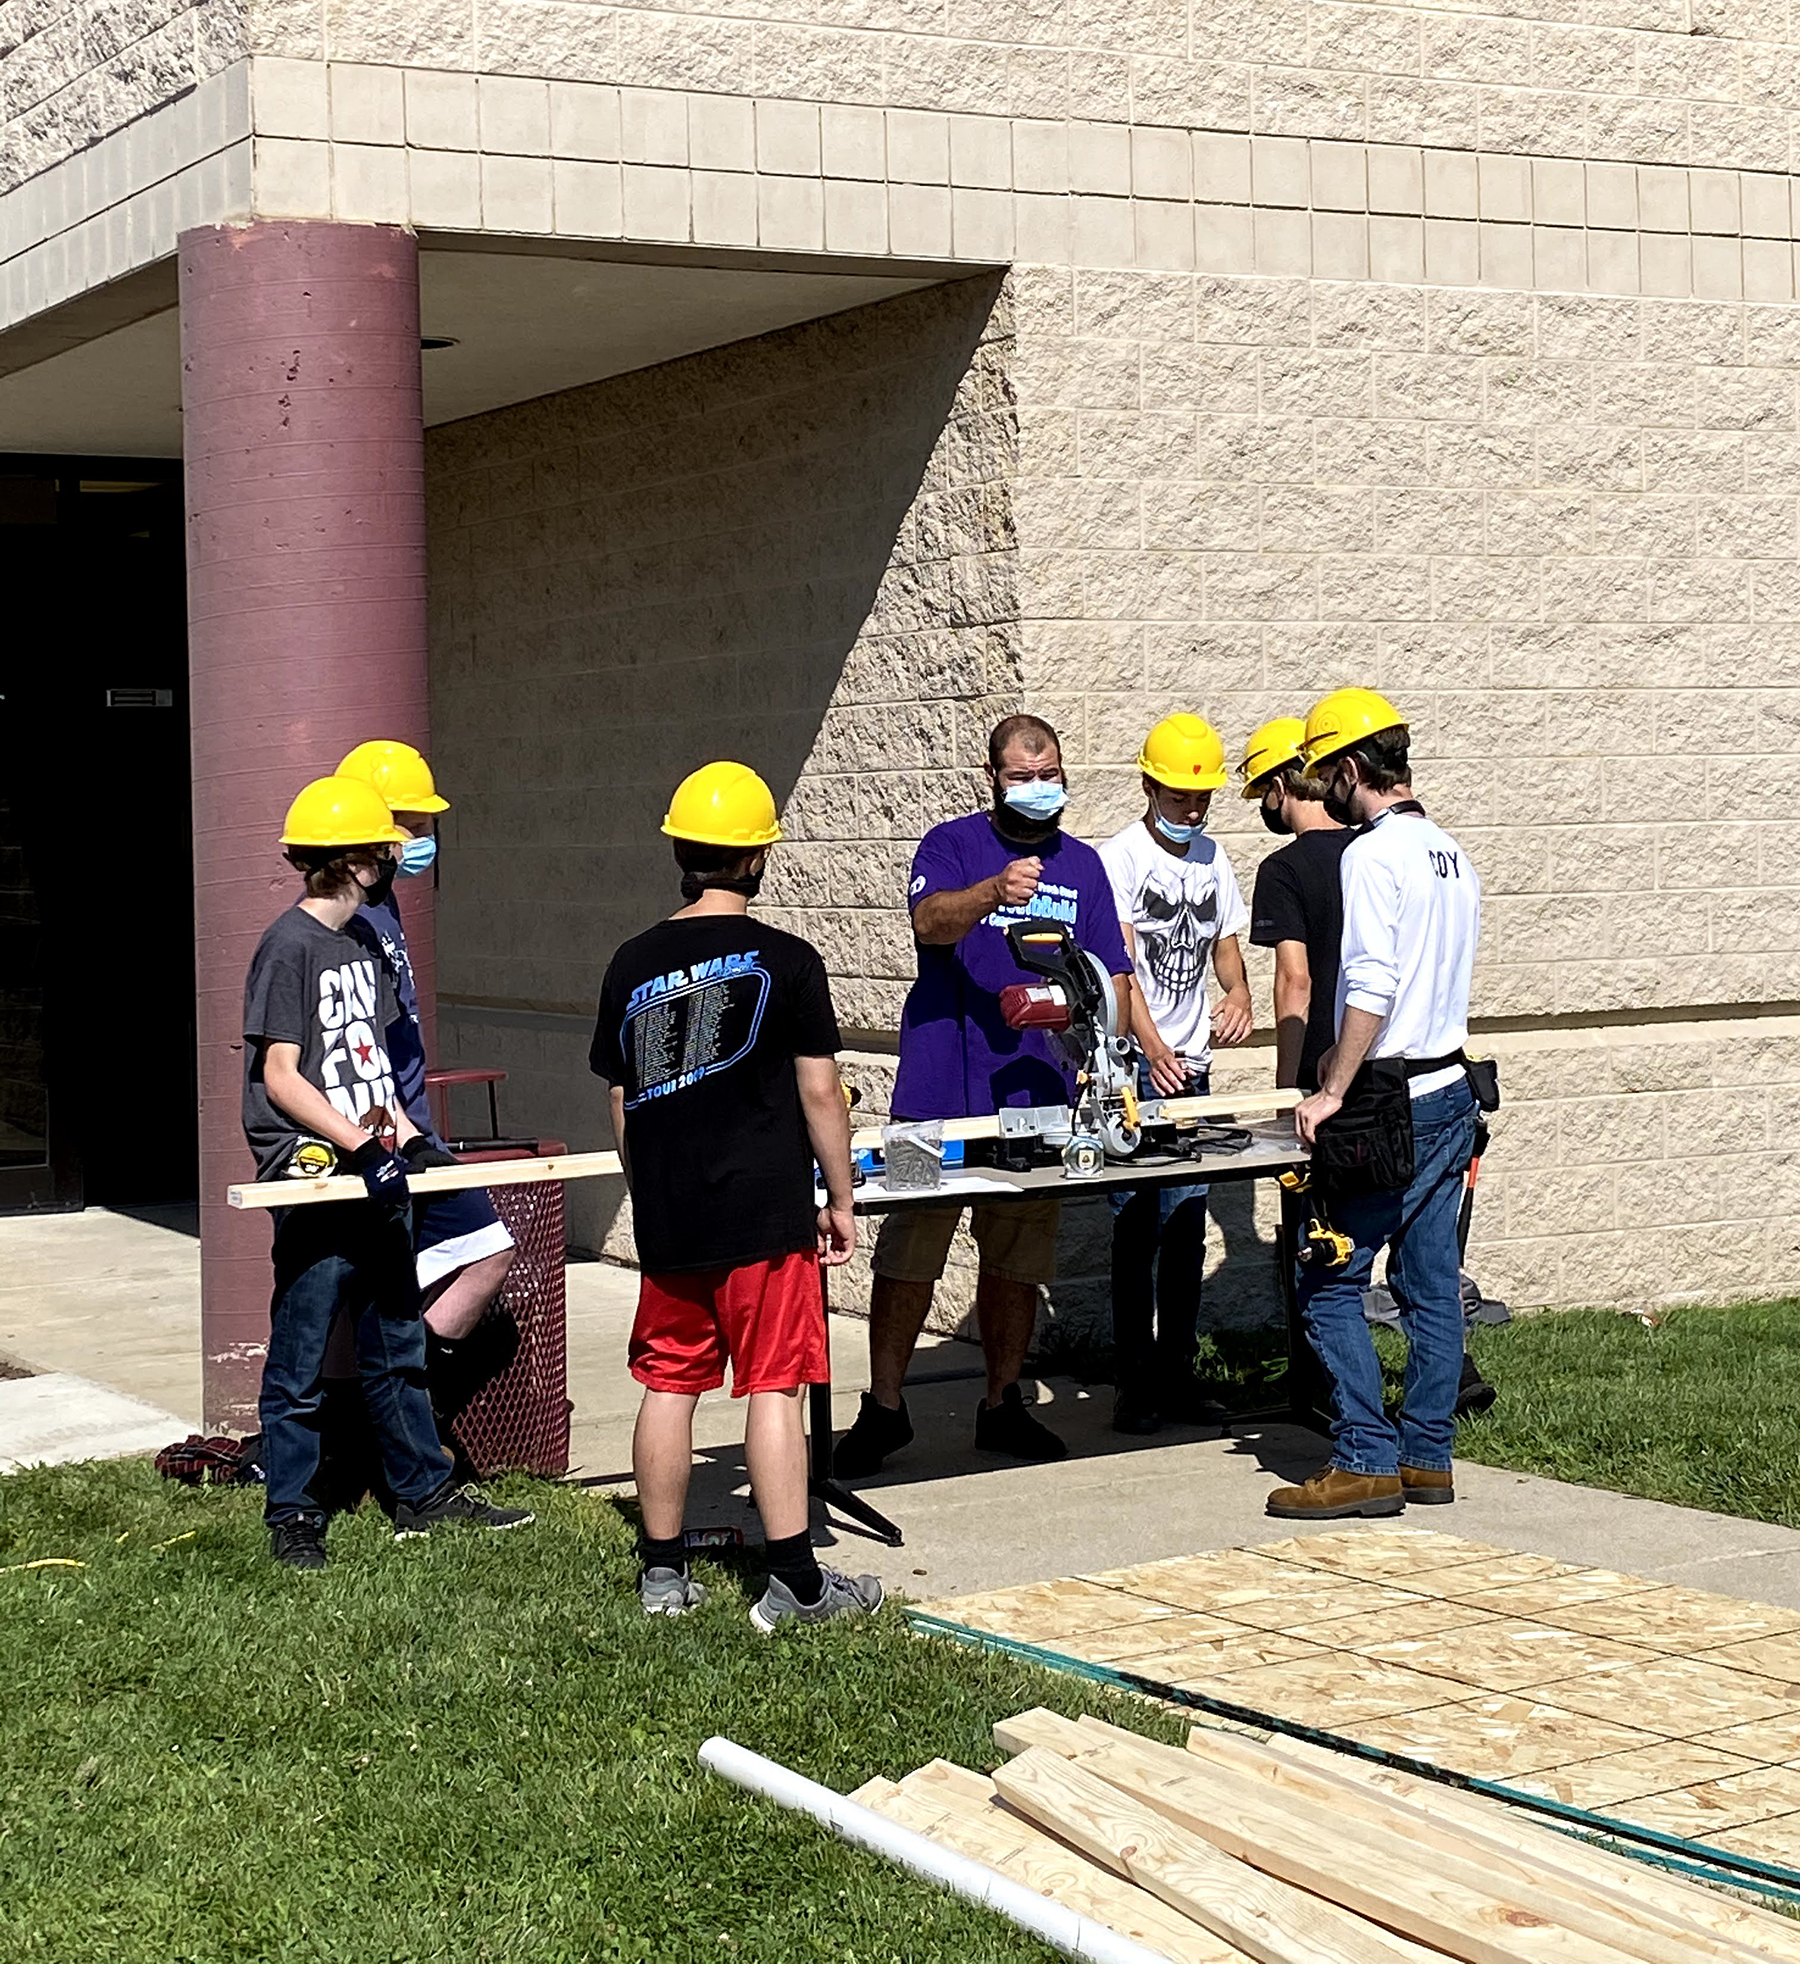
x: 1367, y: 1145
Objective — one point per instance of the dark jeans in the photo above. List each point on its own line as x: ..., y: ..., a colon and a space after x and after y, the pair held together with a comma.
x: 1158, y: 1268
x: 1418, y: 1229
x: 344, y: 1256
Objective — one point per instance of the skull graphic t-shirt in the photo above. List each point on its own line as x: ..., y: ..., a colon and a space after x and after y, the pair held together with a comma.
x: 1179, y: 905
x: 329, y: 993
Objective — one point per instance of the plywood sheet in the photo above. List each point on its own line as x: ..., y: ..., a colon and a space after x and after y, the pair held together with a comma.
x: 1487, y: 1572
x: 1603, y: 1783
x: 1776, y: 1840
x: 1543, y: 1597
x: 1040, y: 1611
x: 1701, y: 1811
x: 1329, y: 1689
x: 1675, y: 1619
x: 1207, y: 1582
x: 1422, y: 1616
x: 1770, y: 1657
x: 1676, y: 1697
x: 1498, y: 1737
x: 1765, y: 1739
x: 1241, y: 1651
x: 1328, y: 1597
x: 1153, y: 1632
x: 1379, y: 1553
x: 1504, y: 1656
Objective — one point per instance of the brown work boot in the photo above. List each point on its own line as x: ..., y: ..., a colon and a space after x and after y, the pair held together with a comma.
x: 1332, y: 1494
x: 1425, y: 1486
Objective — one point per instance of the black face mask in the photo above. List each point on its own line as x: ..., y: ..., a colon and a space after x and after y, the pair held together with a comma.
x: 1272, y: 818
x: 1337, y: 804
x: 374, y: 896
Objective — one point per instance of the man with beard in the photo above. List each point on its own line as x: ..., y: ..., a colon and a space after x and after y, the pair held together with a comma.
x: 958, y: 1059
x: 1179, y: 909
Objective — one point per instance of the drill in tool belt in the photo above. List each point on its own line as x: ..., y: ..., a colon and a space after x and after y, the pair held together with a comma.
x: 1318, y: 1242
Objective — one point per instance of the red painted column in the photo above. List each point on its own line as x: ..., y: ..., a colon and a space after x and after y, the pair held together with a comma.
x: 304, y: 456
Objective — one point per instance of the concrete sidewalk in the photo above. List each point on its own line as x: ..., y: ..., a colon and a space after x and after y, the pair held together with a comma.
x: 115, y: 1300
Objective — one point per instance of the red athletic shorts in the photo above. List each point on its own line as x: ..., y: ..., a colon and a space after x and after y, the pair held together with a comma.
x: 768, y: 1318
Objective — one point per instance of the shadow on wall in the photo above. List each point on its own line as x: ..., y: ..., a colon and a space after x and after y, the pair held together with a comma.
x: 795, y: 550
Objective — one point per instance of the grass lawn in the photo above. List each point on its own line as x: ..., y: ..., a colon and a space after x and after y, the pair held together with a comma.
x: 473, y: 1747
x: 1701, y: 1408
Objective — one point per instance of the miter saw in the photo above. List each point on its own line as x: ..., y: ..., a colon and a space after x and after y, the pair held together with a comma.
x: 1078, y: 1008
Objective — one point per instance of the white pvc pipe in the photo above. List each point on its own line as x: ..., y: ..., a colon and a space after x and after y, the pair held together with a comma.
x: 1059, y: 1926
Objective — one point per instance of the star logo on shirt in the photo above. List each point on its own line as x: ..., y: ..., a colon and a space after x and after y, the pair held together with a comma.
x: 364, y: 1051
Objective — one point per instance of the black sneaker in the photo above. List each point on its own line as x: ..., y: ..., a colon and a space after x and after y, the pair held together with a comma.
x: 876, y: 1433
x: 1474, y: 1394
x: 456, y: 1504
x: 299, y: 1543
x: 1134, y: 1413
x: 1009, y: 1428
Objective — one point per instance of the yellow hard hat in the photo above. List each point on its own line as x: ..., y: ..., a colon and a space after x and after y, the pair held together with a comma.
x: 398, y: 772
x: 1184, y: 752
x: 723, y: 805
x: 340, y: 811
x: 1344, y: 718
x: 1272, y: 747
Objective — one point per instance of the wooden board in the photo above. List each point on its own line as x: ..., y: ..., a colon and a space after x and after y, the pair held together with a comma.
x: 1424, y: 1616
x: 1272, y: 1922
x: 1457, y: 1906
x: 1548, y: 1594
x: 1602, y: 1783
x: 1762, y: 1931
x: 1214, y: 1582
x: 1470, y: 1578
x: 1426, y: 1809
x: 1039, y: 1612
x: 1457, y: 1840
x: 1330, y: 1689
x: 1176, y: 1111
x: 1674, y: 1618
x: 1017, y: 1848
x: 1703, y: 1810
x: 437, y: 1179
x: 1157, y: 1633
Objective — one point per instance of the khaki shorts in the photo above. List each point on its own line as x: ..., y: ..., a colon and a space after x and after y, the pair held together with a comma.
x: 1017, y: 1239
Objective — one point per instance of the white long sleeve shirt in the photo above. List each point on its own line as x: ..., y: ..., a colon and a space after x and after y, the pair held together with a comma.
x: 1412, y: 912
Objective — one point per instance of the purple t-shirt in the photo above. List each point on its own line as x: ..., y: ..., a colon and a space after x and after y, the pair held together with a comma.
x: 958, y: 1059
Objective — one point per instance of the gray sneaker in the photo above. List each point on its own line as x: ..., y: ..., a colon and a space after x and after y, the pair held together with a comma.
x: 667, y: 1592
x: 844, y: 1595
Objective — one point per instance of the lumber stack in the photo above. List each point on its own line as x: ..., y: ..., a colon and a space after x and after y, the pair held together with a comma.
x: 1288, y: 1853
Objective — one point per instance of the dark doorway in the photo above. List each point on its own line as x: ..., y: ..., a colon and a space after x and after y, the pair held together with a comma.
x: 97, y: 1101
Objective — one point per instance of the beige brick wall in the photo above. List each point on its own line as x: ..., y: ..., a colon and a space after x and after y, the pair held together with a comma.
x: 797, y: 550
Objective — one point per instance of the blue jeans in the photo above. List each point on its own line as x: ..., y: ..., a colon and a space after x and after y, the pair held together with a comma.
x: 343, y: 1256
x: 1418, y: 1228
x: 1158, y: 1269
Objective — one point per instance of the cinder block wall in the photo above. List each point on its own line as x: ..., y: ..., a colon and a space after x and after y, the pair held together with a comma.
x: 797, y: 551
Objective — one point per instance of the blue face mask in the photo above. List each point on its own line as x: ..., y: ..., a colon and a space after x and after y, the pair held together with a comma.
x: 1177, y: 835
x: 417, y: 856
x: 1040, y: 800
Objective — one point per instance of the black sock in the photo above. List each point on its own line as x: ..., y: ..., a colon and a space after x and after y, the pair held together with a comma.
x: 791, y: 1560
x: 663, y: 1554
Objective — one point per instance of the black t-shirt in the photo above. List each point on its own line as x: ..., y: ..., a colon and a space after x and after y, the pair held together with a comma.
x: 700, y: 1022
x: 1300, y: 897
x: 326, y: 991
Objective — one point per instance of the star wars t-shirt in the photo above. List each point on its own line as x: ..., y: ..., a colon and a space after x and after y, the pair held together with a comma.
x: 1180, y: 906
x: 700, y: 1022
x: 377, y: 923
x: 958, y: 1058
x: 326, y: 991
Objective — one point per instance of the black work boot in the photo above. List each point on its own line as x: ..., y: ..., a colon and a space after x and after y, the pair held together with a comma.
x: 876, y: 1433
x: 298, y: 1543
x: 1474, y: 1394
x: 1009, y: 1428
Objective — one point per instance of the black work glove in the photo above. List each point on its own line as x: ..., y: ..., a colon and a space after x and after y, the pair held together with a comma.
x: 383, y: 1174
x: 421, y: 1153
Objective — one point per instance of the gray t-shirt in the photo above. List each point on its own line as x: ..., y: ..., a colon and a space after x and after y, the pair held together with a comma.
x: 326, y: 991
